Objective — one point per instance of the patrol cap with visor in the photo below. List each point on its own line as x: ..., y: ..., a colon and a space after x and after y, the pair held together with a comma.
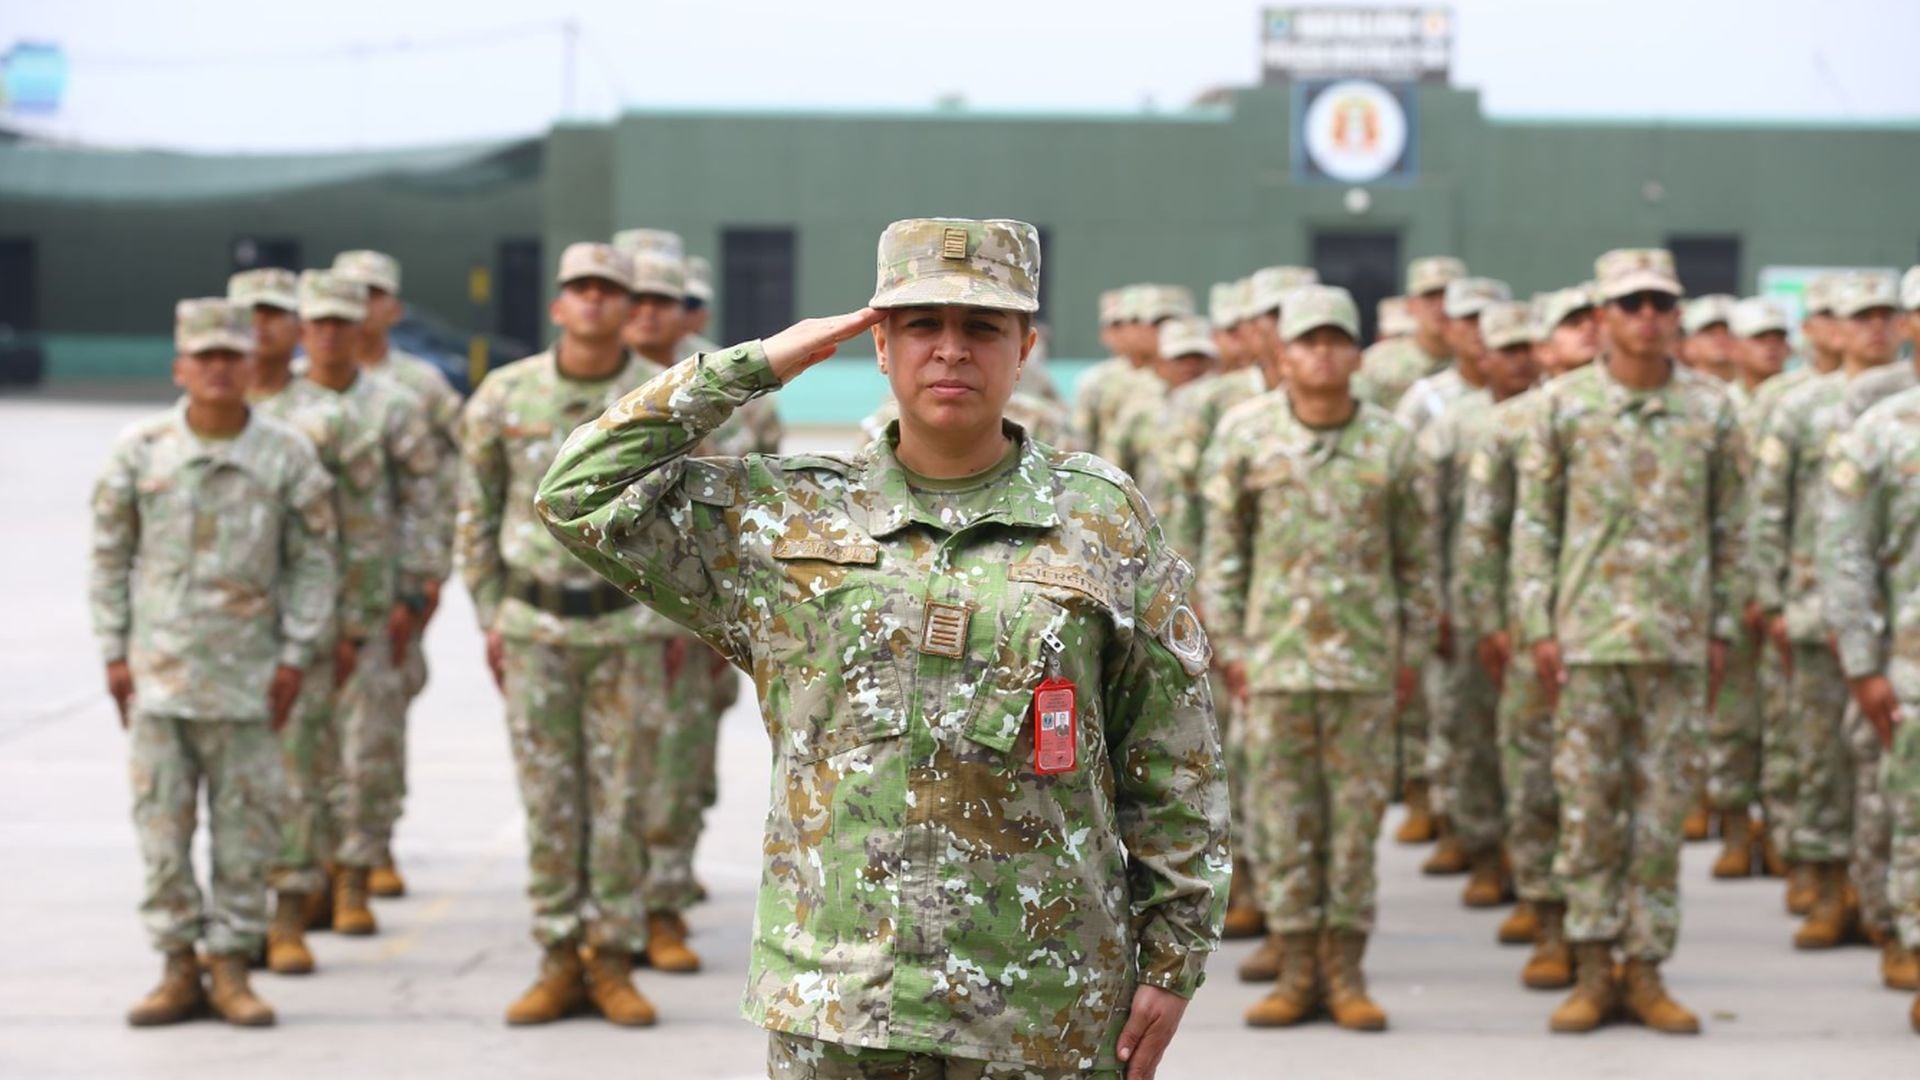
x: 958, y: 261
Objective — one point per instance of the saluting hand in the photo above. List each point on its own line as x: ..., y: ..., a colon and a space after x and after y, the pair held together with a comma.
x: 809, y: 341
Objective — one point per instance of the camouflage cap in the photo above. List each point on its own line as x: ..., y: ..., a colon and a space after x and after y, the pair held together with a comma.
x: 326, y: 295
x: 1220, y: 303
x: 1910, y: 289
x: 1817, y: 296
x: 1243, y: 308
x: 1113, y: 306
x: 1156, y: 302
x: 1864, y: 290
x: 1433, y: 273
x: 1550, y: 309
x: 374, y: 269
x: 1506, y: 322
x: 1393, y: 318
x: 209, y: 323
x: 650, y: 242
x: 1757, y: 315
x: 1625, y: 271
x: 1310, y: 307
x: 1468, y: 296
x: 1185, y: 335
x: 990, y: 264
x: 700, y: 279
x: 1703, y: 311
x: 269, y: 286
x: 659, y: 275
x: 1271, y: 284
x: 587, y: 259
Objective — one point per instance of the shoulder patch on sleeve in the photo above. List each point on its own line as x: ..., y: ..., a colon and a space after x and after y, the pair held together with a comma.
x: 1186, y: 639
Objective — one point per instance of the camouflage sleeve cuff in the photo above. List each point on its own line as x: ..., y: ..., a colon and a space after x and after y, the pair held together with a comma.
x: 113, y: 647
x: 1173, y: 969
x: 1861, y: 653
x: 1535, y: 625
x: 742, y: 372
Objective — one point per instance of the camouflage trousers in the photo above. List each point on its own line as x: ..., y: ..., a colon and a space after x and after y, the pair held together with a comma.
x: 1779, y: 768
x: 1230, y: 717
x: 310, y: 762
x: 1526, y: 771
x: 1412, y: 726
x: 1626, y: 762
x: 373, y: 755
x: 1902, y: 787
x: 1477, y: 801
x: 585, y: 724
x: 238, y: 763
x: 1824, y: 764
x: 796, y: 1057
x: 1320, y: 764
x: 1734, y: 731
x: 685, y: 785
x: 1868, y: 864
x: 1436, y: 686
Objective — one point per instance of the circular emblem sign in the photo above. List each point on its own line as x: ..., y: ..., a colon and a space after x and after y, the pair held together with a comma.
x: 1355, y: 131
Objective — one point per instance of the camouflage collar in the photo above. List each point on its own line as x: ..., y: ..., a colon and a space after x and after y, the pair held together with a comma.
x: 236, y: 451
x: 1027, y: 498
x: 1623, y: 399
x: 1299, y: 438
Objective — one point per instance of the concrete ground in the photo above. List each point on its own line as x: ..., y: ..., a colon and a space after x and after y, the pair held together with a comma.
x: 424, y: 998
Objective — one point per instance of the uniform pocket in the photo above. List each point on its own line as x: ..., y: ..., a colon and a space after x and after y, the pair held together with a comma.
x: 830, y: 672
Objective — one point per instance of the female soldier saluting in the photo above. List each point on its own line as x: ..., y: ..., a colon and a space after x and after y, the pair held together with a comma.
x: 998, y: 839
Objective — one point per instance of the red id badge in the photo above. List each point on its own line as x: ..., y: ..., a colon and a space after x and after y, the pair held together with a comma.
x: 1056, y: 739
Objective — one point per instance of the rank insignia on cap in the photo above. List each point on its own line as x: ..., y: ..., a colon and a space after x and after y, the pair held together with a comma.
x: 953, y: 245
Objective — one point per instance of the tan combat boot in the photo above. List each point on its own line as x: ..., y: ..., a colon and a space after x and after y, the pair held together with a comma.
x: 1418, y: 828
x: 1772, y: 863
x: 1830, y: 919
x: 319, y: 902
x: 232, y: 999
x: 1801, y: 887
x: 1297, y: 994
x: 1699, y: 822
x: 1551, y: 965
x: 1645, y: 999
x: 1899, y: 968
x: 1244, y: 918
x: 610, y: 988
x: 1595, y: 996
x: 559, y: 991
x: 1522, y: 927
x: 179, y: 995
x: 287, y: 952
x: 385, y: 881
x: 351, y: 915
x: 1736, y: 849
x: 1487, y: 881
x: 1448, y: 857
x: 1264, y: 964
x: 667, y: 949
x: 1346, y: 984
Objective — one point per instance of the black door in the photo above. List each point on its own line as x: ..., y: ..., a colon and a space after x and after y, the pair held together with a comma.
x: 19, y: 287
x: 756, y: 275
x: 517, y: 294
x: 1707, y: 264
x: 1366, y: 264
x: 253, y: 251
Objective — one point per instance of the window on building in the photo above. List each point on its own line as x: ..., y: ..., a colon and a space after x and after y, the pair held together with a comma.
x: 1707, y: 264
x: 255, y: 251
x: 756, y: 275
x: 1366, y: 264
x: 516, y: 298
x: 19, y: 286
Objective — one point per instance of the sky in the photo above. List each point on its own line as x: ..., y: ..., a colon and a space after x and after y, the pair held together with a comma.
x: 232, y: 75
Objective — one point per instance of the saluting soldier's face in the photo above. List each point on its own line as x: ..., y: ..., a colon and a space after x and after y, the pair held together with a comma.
x: 953, y: 368
x: 1321, y: 361
x: 213, y: 376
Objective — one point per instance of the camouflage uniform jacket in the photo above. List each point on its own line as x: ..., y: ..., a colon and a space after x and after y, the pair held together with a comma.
x: 923, y: 889
x: 442, y: 404
x: 317, y: 413
x: 1089, y: 394
x: 1316, y: 565
x: 1442, y: 454
x: 1479, y: 592
x: 1119, y: 395
x: 515, y: 423
x: 393, y: 485
x: 1427, y: 400
x: 1875, y: 386
x: 1627, y: 535
x: 1140, y: 426
x: 1870, y: 545
x: 1389, y: 368
x: 212, y: 563
x: 1197, y: 409
x: 1786, y: 492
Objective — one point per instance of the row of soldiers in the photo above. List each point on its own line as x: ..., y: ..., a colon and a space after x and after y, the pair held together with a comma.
x: 266, y: 557
x: 1556, y: 602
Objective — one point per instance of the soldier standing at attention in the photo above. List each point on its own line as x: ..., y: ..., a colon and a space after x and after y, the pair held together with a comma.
x: 1142, y: 429
x: 1118, y: 311
x: 1389, y: 367
x: 1154, y: 305
x: 999, y: 821
x: 374, y: 351
x: 1317, y: 571
x: 1707, y: 344
x: 579, y: 661
x: 393, y: 480
x: 212, y: 584
x: 1627, y: 569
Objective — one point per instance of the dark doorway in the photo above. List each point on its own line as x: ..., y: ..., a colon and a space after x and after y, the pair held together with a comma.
x: 756, y: 282
x: 516, y: 298
x: 1707, y: 264
x: 254, y: 251
x: 1366, y: 264
x: 19, y: 287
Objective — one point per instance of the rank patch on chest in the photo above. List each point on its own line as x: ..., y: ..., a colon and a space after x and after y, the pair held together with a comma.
x: 943, y: 630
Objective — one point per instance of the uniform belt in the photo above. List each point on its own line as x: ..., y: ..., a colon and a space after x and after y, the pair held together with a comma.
x: 566, y: 602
